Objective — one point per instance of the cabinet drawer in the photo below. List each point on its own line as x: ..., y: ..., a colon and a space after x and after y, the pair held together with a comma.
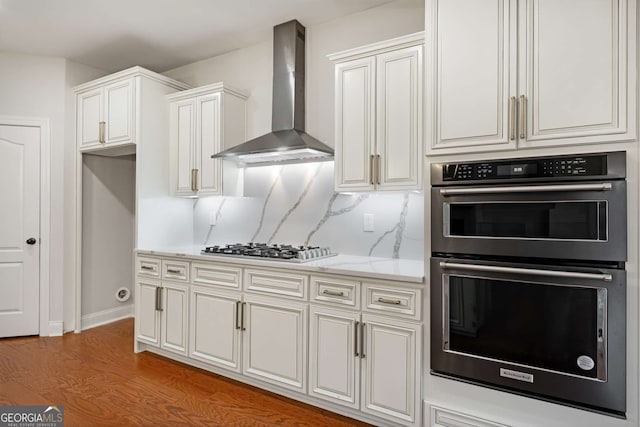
x: 148, y: 267
x: 175, y: 270
x: 276, y: 283
x: 215, y: 274
x: 391, y: 299
x: 441, y: 417
x: 335, y: 291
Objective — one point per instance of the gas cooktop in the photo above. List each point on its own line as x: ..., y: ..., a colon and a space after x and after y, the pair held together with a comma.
x: 288, y: 253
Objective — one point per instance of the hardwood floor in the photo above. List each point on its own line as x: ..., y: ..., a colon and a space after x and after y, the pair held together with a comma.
x: 100, y: 382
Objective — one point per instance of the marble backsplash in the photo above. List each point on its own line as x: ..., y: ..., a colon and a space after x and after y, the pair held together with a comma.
x: 296, y: 204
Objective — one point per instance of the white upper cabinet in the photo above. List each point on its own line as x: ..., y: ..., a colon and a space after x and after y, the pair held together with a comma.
x: 529, y: 73
x: 204, y: 121
x: 378, y: 116
x: 106, y: 116
x: 108, y: 110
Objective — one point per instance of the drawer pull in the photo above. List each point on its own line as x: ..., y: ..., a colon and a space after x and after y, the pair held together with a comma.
x: 147, y: 267
x: 333, y: 293
x: 173, y: 271
x: 362, y: 332
x: 389, y: 301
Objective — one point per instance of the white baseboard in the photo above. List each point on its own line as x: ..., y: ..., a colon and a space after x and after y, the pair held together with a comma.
x: 100, y: 318
x: 55, y: 329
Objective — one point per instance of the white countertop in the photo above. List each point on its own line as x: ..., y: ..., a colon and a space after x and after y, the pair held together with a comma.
x: 404, y: 270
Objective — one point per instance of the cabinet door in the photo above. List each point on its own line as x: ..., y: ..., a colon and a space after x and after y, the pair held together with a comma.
x: 119, y: 114
x: 147, y: 322
x: 208, y: 136
x: 471, y: 75
x: 334, y: 372
x: 182, y: 139
x: 391, y: 369
x: 275, y: 342
x: 175, y: 319
x: 399, y: 119
x: 577, y: 71
x: 89, y: 116
x: 355, y: 126
x: 215, y: 328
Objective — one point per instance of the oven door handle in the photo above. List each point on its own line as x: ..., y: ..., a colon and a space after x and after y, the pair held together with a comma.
x: 531, y: 271
x: 604, y: 186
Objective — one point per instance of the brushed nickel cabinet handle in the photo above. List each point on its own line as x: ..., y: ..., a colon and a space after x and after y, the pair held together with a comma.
x: 101, y: 132
x: 333, y: 293
x: 242, y: 328
x: 378, y: 168
x: 238, y: 315
x: 512, y: 118
x: 371, y: 169
x: 193, y: 180
x: 159, y: 298
x: 389, y: 301
x: 147, y: 267
x: 355, y: 339
x: 523, y: 106
x: 173, y: 271
x: 362, y: 332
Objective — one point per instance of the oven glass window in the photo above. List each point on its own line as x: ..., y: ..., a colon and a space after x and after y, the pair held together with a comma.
x: 545, y: 326
x: 569, y: 220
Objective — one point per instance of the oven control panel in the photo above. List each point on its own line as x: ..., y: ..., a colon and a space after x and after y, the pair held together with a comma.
x: 544, y: 167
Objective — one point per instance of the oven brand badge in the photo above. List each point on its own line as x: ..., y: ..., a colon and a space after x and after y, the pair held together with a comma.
x: 585, y: 363
x: 516, y: 375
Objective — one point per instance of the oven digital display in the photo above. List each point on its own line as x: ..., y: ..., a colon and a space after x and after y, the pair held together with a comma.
x: 522, y: 169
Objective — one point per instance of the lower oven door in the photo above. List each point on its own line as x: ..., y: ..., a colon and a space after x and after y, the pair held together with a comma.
x: 556, y: 333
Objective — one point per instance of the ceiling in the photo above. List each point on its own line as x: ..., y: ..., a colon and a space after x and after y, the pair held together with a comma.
x: 157, y: 34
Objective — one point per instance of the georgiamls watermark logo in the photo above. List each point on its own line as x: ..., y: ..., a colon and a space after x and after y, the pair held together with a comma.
x: 31, y: 416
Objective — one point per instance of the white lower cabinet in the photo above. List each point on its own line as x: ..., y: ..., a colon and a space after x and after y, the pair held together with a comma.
x: 162, y: 304
x: 366, y: 362
x: 147, y: 324
x: 266, y: 330
x: 391, y: 368
x: 275, y: 341
x: 162, y: 314
x: 175, y: 317
x: 334, y: 359
x: 443, y: 417
x: 215, y: 327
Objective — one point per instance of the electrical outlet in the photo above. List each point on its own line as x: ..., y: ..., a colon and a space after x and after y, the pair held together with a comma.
x: 368, y: 222
x: 212, y: 218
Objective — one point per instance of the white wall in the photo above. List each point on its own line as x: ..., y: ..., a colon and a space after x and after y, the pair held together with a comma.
x: 33, y: 86
x: 75, y: 74
x: 250, y: 69
x: 36, y: 86
x: 108, y: 213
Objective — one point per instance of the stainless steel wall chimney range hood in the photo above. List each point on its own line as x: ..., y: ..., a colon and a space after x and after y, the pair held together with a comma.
x: 288, y: 141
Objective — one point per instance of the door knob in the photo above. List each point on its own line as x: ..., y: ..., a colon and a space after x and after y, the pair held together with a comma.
x: 31, y: 241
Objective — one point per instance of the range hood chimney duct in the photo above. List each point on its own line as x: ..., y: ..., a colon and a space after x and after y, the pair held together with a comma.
x: 288, y: 141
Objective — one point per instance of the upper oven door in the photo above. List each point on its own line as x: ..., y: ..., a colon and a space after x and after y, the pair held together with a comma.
x: 584, y: 220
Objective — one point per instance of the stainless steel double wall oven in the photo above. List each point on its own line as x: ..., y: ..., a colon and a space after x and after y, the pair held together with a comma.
x: 528, y: 281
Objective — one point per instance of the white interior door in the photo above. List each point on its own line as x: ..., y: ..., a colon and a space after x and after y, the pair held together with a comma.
x: 19, y: 223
